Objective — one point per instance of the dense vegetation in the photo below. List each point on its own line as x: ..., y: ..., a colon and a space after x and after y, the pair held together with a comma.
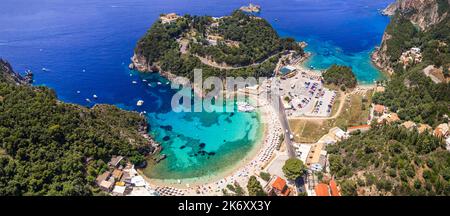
x: 51, y: 148
x: 415, y: 97
x: 390, y: 160
x: 256, y: 38
x: 409, y: 92
x: 294, y: 168
x: 254, y: 187
x: 434, y: 42
x: 403, y: 36
x: 258, y: 41
x: 340, y: 76
x: 161, y: 38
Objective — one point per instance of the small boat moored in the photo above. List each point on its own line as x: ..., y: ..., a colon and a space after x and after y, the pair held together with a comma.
x: 140, y: 103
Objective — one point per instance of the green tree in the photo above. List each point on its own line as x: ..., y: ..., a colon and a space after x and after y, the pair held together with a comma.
x: 340, y: 76
x: 254, y: 187
x: 293, y: 168
x: 265, y: 176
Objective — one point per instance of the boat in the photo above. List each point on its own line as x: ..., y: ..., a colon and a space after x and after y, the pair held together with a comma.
x: 134, y: 82
x: 88, y: 100
x: 159, y: 83
x: 84, y: 70
x: 95, y: 96
x: 78, y: 92
x: 45, y: 69
x: 245, y: 107
x: 144, y: 80
x: 140, y: 103
x: 167, y: 83
x: 149, y: 85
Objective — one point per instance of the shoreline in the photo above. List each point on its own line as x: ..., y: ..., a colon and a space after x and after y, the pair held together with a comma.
x: 207, y: 179
x: 214, y: 183
x: 385, y: 74
x: 251, y: 164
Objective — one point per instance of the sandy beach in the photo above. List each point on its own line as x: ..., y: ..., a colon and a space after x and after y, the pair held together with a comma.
x: 252, y: 164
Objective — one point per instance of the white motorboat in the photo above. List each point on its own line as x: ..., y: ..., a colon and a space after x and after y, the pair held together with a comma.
x: 140, y: 103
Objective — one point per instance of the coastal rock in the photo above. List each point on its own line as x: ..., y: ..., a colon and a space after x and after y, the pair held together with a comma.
x: 422, y: 13
x: 10, y: 76
x: 140, y: 63
x: 380, y: 57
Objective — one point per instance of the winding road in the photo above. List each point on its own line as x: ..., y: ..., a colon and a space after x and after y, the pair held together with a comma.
x: 216, y: 65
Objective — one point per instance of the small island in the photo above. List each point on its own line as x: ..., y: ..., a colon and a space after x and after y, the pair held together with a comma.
x: 240, y: 44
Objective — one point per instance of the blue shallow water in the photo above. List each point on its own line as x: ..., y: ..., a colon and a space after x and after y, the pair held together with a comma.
x: 86, y: 45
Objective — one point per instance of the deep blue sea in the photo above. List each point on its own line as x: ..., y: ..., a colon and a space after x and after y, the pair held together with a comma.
x: 86, y: 46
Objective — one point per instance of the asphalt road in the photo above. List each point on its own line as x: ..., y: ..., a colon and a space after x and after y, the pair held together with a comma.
x: 285, y: 126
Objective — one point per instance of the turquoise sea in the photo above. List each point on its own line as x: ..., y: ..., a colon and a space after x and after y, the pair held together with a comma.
x: 87, y: 44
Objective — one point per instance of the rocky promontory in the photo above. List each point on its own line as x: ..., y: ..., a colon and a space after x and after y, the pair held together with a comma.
x: 237, y: 45
x: 10, y: 76
x: 422, y: 14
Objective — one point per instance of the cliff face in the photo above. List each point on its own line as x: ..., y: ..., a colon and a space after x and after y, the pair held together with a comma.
x: 421, y: 13
x: 7, y: 74
x: 380, y: 57
x: 139, y: 63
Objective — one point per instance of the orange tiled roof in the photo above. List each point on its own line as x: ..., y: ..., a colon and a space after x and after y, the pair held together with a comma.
x: 117, y: 174
x: 322, y: 190
x: 279, y: 184
x: 393, y: 117
x: 438, y: 132
x: 358, y: 127
x: 379, y: 108
x: 334, y: 189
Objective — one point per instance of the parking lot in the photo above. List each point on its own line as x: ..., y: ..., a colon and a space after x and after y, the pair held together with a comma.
x: 305, y: 95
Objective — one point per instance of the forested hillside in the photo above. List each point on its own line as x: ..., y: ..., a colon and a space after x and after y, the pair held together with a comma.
x: 391, y: 160
x: 52, y: 148
x: 245, y: 42
x: 410, y: 92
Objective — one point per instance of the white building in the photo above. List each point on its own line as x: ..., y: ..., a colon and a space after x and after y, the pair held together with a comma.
x: 447, y: 141
x: 302, y: 151
x: 339, y: 133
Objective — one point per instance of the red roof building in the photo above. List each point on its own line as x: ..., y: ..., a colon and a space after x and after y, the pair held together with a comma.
x: 379, y: 109
x: 279, y: 184
x: 334, y: 189
x: 362, y: 128
x: 279, y: 187
x: 322, y: 190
